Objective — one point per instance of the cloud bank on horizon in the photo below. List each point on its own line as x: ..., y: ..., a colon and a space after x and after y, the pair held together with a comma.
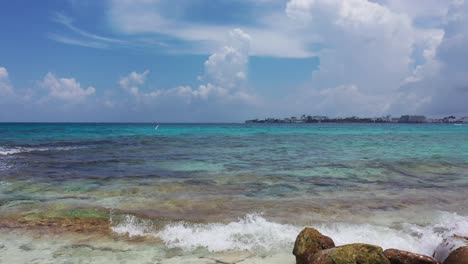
x: 375, y: 58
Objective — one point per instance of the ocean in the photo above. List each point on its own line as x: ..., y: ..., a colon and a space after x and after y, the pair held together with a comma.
x: 185, y: 193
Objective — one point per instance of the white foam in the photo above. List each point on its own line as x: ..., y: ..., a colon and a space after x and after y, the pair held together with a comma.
x: 132, y: 226
x: 4, y: 184
x: 11, y: 151
x: 249, y: 233
x: 17, y: 150
x: 253, y: 232
x: 410, y: 237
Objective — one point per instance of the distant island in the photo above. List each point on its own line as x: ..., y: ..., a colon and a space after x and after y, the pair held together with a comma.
x: 413, y: 119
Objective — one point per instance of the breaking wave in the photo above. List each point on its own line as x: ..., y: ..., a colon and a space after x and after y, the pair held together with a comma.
x: 254, y: 232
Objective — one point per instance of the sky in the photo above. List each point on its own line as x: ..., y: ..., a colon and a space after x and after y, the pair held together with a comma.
x: 231, y: 60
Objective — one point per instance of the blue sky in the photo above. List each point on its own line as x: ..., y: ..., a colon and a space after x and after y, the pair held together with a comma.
x: 226, y: 61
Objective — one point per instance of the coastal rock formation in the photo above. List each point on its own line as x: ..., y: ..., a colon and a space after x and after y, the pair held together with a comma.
x: 309, y: 242
x: 448, y: 245
x: 351, y: 254
x: 459, y: 256
x: 312, y: 247
x: 404, y: 257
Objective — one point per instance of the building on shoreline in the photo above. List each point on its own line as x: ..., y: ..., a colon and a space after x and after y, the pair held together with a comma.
x: 409, y: 119
x: 412, y: 119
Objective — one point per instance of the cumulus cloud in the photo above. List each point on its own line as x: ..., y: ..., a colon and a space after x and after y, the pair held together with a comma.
x: 226, y: 70
x: 6, y: 88
x: 447, y: 88
x: 227, y: 67
x: 224, y: 77
x: 66, y: 89
x: 132, y: 82
x: 392, y: 56
x: 372, y: 56
x: 376, y: 57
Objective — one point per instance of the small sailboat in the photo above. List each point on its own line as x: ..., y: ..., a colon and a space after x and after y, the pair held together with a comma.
x: 156, y: 127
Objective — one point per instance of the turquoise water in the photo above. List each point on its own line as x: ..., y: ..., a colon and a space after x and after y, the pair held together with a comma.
x: 231, y: 178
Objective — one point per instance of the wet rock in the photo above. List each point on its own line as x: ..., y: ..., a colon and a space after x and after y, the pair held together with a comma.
x: 309, y: 242
x: 192, y: 260
x: 404, y: 257
x: 448, y: 245
x: 351, y: 254
x: 458, y: 256
x: 91, y: 247
x: 25, y: 247
x: 229, y: 257
x: 280, y: 258
x: 75, y: 220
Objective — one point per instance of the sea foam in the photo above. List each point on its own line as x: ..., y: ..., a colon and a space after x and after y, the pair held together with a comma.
x: 17, y: 150
x: 132, y: 226
x: 254, y: 232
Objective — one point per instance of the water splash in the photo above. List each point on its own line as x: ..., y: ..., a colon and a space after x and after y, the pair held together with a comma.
x: 253, y: 232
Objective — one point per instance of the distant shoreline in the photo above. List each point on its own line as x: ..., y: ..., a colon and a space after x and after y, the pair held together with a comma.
x: 406, y: 119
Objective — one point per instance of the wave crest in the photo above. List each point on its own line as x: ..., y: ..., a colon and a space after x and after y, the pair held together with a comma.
x: 253, y: 232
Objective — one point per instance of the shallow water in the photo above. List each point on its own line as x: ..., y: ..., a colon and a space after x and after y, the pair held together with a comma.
x: 191, y: 190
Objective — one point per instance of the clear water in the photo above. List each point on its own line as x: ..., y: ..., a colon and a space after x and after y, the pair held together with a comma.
x: 198, y: 189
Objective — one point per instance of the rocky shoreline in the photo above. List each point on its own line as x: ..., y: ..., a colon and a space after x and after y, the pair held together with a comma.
x: 312, y: 247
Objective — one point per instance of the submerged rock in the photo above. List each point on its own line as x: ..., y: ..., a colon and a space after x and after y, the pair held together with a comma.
x: 351, y: 254
x: 309, y: 242
x: 280, y: 258
x: 191, y: 260
x: 448, y: 245
x: 230, y: 257
x: 404, y: 257
x: 458, y: 256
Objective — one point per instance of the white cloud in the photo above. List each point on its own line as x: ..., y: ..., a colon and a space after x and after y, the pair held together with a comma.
x: 225, y: 76
x: 3, y: 73
x: 66, y: 89
x: 376, y: 56
x: 359, y: 49
x: 431, y: 40
x: 211, y: 93
x: 419, y: 9
x: 6, y: 88
x: 349, y: 100
x: 227, y: 66
x: 68, y: 23
x: 76, y: 41
x: 81, y: 37
x: 372, y: 56
x: 273, y: 34
x: 132, y: 82
x: 447, y: 88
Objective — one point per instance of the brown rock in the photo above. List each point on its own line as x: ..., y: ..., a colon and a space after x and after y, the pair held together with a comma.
x: 309, y: 242
x: 459, y: 256
x: 404, y: 257
x: 351, y: 254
